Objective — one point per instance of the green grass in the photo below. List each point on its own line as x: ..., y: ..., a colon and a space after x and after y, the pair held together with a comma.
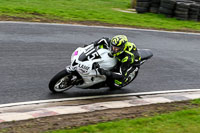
x: 186, y: 121
x: 90, y: 10
x: 196, y: 101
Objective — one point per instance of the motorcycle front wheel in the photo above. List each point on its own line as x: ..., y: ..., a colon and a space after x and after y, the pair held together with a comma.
x: 60, y: 82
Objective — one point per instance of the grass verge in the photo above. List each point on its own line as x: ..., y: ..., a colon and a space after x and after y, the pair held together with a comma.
x: 184, y: 121
x: 91, y: 11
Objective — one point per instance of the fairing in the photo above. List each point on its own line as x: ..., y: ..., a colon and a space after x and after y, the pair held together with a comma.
x: 82, y: 61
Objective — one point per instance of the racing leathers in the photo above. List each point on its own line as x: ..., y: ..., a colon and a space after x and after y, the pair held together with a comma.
x: 128, y: 61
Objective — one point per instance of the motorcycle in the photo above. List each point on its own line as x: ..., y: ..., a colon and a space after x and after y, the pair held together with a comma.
x: 83, y: 73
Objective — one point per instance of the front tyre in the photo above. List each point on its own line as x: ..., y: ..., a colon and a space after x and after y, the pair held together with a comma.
x: 60, y: 82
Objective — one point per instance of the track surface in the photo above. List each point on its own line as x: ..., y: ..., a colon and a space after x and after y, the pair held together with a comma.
x: 30, y: 54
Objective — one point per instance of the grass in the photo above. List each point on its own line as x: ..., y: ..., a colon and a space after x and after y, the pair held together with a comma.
x: 90, y: 10
x: 196, y: 101
x: 186, y: 121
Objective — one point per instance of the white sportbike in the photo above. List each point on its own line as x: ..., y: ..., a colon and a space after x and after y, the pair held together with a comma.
x: 83, y: 73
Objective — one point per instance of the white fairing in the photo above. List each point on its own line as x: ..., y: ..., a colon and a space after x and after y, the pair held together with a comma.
x: 84, y: 67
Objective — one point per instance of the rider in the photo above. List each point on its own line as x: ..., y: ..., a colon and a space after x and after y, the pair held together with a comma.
x: 128, y: 59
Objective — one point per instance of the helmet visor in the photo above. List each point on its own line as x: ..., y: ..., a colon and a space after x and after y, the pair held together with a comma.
x: 115, y: 49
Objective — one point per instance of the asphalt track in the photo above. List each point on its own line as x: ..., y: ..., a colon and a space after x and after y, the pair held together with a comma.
x: 30, y: 54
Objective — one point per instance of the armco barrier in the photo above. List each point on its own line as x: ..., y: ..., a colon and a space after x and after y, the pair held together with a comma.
x: 180, y: 9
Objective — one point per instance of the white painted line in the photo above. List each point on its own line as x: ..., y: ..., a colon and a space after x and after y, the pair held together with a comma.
x: 59, y: 110
x: 105, y: 27
x: 95, y: 97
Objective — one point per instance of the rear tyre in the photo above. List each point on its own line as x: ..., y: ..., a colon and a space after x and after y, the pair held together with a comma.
x: 60, y: 82
x: 131, y: 77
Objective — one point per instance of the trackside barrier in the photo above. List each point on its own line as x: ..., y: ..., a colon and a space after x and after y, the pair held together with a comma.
x: 180, y: 9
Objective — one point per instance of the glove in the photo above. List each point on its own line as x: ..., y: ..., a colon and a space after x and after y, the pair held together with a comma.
x: 100, y: 41
x: 104, y: 72
x: 95, y: 65
x: 96, y: 44
x: 101, y: 71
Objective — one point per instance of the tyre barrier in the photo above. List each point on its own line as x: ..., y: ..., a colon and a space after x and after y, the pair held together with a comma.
x: 180, y: 9
x: 155, y: 4
x: 167, y: 7
x: 143, y: 6
x: 194, y: 12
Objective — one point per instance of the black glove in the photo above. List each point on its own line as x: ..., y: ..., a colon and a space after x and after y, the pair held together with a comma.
x: 103, y: 41
x: 101, y: 71
x: 96, y: 43
x: 104, y: 72
x: 95, y: 65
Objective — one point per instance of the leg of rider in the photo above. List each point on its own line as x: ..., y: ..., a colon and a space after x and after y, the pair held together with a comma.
x: 111, y: 84
x: 113, y: 80
x: 125, y: 70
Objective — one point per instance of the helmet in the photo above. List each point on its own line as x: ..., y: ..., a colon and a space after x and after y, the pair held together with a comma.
x: 117, y: 44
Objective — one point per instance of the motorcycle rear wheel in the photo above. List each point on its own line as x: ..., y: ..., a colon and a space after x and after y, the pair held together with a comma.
x: 60, y: 82
x: 131, y: 78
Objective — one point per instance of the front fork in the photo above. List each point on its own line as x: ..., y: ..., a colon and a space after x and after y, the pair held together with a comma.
x: 69, y: 69
x: 76, y: 78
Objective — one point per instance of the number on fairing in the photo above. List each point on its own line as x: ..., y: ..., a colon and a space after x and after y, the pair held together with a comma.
x: 91, y: 53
